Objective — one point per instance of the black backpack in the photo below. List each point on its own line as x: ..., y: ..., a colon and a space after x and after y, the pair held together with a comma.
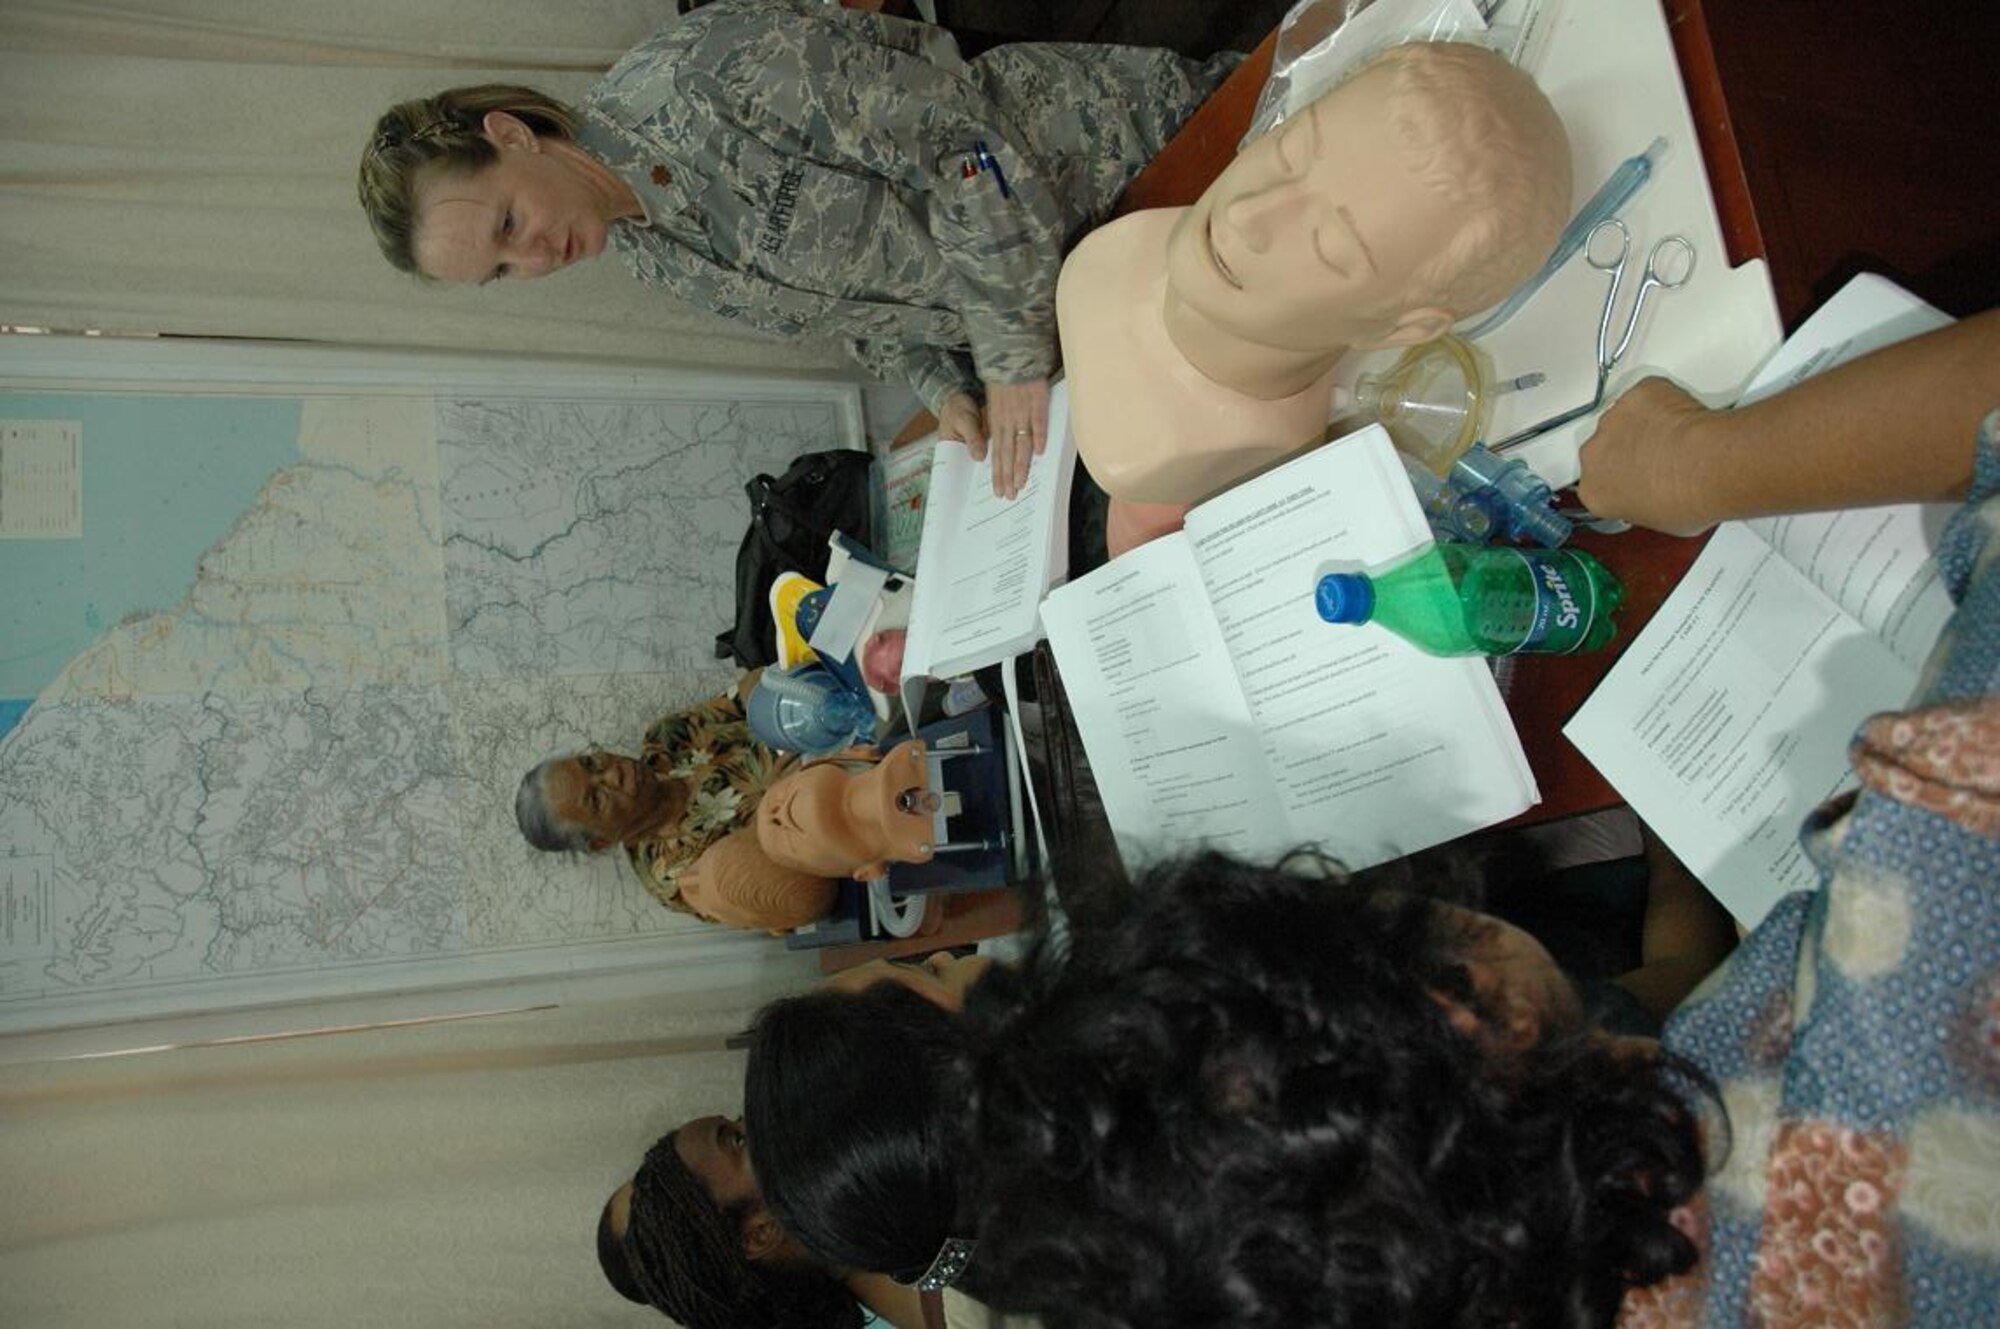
x: 790, y: 520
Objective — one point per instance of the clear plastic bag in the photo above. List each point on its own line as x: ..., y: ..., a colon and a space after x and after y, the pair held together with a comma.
x: 1321, y: 41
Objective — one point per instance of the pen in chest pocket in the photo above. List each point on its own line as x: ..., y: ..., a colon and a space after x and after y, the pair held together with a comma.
x: 979, y: 160
x: 988, y: 162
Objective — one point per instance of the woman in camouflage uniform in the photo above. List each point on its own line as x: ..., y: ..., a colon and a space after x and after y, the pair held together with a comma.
x: 811, y: 170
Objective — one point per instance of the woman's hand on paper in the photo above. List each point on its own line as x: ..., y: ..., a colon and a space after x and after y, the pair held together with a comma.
x: 1643, y: 465
x: 960, y: 419
x: 1017, y: 427
x: 1893, y: 426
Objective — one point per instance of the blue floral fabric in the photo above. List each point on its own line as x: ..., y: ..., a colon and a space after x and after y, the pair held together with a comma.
x: 1855, y: 1036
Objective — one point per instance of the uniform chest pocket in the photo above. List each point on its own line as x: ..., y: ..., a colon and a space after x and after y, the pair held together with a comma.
x: 810, y: 225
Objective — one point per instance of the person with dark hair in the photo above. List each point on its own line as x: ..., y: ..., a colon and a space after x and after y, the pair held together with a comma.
x: 693, y: 1233
x: 691, y: 1236
x: 854, y: 1126
x: 1261, y: 1100
x: 697, y: 779
x: 846, y: 1091
x: 813, y: 170
x: 1266, y: 1098
x: 855, y: 1108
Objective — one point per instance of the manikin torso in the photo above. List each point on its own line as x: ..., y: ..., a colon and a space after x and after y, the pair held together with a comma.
x: 1150, y: 427
x: 1201, y: 342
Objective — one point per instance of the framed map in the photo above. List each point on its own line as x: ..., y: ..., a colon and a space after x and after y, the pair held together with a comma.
x: 267, y: 697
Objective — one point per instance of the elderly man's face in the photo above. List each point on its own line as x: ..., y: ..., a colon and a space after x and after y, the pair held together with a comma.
x: 612, y: 797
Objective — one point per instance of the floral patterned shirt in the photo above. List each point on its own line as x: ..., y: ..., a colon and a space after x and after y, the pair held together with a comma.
x: 1855, y: 1035
x: 709, y: 746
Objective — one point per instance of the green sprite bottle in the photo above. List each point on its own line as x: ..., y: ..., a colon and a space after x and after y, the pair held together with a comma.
x: 1458, y: 599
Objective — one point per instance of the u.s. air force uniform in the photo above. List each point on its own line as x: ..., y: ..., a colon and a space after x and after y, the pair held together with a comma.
x: 815, y: 171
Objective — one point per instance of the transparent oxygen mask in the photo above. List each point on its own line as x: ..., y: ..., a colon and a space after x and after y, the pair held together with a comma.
x: 1433, y: 401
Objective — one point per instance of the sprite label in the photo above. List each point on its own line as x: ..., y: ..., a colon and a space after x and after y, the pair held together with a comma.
x: 1564, y: 604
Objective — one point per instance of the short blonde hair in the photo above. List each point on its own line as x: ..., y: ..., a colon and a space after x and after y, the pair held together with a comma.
x: 443, y: 131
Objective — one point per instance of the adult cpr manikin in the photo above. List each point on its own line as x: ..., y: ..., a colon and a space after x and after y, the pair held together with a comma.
x: 1200, y: 342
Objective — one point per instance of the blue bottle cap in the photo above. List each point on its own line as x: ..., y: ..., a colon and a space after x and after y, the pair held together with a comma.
x: 1344, y: 597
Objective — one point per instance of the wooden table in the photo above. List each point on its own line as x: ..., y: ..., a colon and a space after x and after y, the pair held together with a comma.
x: 1544, y: 689
x: 1838, y: 139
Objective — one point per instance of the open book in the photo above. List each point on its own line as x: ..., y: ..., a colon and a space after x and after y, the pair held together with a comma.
x: 984, y: 563
x: 1217, y: 709
x: 1728, y: 718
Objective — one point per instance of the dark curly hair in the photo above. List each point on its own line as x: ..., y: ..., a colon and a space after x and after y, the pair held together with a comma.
x: 1245, y: 1104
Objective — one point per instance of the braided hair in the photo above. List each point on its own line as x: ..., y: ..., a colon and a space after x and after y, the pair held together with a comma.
x: 445, y: 131
x: 683, y: 1254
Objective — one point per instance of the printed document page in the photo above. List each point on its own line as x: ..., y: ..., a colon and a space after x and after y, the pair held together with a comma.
x: 1170, y: 737
x: 1875, y: 562
x: 1378, y: 749
x: 1728, y: 718
x: 984, y: 562
x: 1868, y: 313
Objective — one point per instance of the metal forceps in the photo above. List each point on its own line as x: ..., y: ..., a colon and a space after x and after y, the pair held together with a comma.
x: 1669, y: 264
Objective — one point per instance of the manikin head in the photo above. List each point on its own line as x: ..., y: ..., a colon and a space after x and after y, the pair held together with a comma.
x: 828, y: 821
x: 1419, y: 191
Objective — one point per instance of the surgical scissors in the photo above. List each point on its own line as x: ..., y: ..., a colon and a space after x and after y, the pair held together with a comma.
x: 1669, y: 264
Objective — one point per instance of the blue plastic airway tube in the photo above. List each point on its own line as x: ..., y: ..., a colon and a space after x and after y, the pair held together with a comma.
x: 1612, y: 195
